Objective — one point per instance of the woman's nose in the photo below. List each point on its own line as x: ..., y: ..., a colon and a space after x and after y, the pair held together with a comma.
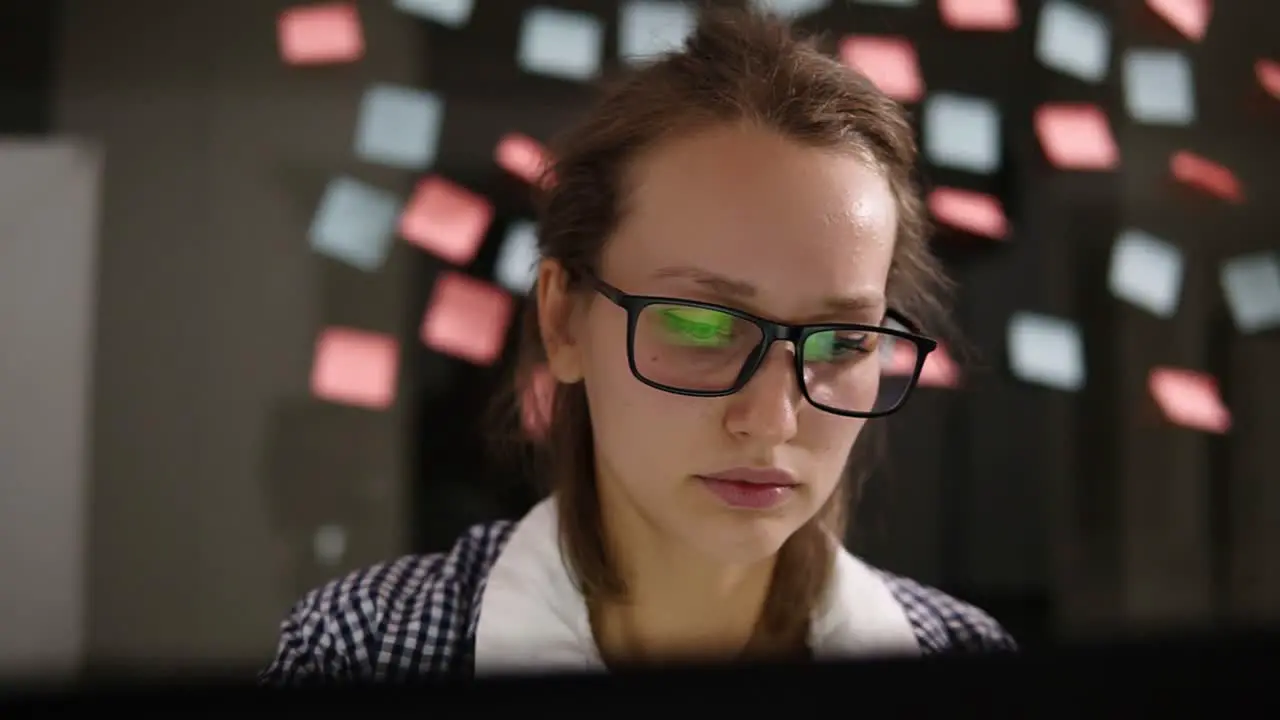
x: 765, y: 410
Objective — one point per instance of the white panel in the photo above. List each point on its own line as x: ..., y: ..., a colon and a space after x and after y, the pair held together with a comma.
x: 49, y: 213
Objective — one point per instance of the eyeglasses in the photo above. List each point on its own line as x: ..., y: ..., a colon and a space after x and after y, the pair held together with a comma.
x: 705, y: 350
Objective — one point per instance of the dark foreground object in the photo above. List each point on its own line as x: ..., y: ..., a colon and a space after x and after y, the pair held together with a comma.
x: 1186, y: 677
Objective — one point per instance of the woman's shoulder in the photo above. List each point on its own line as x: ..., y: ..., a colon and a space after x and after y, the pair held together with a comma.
x: 408, y: 617
x: 944, y: 624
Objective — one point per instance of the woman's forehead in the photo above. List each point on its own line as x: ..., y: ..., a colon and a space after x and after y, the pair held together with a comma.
x: 751, y: 206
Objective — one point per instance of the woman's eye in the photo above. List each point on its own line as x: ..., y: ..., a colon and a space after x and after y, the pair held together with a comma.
x: 835, y: 345
x: 702, y: 327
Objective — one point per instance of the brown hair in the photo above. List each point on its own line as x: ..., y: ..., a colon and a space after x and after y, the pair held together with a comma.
x: 738, y: 66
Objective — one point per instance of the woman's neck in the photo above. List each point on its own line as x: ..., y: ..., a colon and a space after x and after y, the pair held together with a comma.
x: 679, y: 605
x: 676, y: 611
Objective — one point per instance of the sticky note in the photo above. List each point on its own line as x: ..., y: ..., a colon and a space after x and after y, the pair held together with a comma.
x: 537, y: 401
x: 962, y: 132
x: 940, y: 370
x: 523, y: 157
x: 450, y: 13
x: 1203, y: 174
x: 1046, y: 350
x: 893, y: 324
x: 517, y: 265
x: 1146, y: 272
x: 560, y: 44
x: 1251, y: 285
x: 329, y: 544
x: 1074, y: 40
x: 1189, y: 17
x: 1268, y: 72
x: 972, y: 212
x: 399, y: 127
x: 1158, y: 87
x: 355, y: 367
x: 889, y: 62
x: 446, y: 220
x: 322, y: 34
x: 791, y: 9
x: 355, y: 223
x: 1076, y: 137
x: 898, y: 357
x: 985, y: 15
x: 467, y: 318
x: 1189, y: 398
x: 648, y: 29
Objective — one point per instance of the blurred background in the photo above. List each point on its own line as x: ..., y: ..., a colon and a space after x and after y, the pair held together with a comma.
x: 259, y: 262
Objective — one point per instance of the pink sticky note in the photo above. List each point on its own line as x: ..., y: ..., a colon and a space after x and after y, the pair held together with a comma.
x: 988, y: 15
x: 1268, y: 72
x: 901, y: 361
x: 1076, y: 137
x: 536, y: 400
x: 889, y: 62
x: 1190, y: 399
x: 1204, y: 174
x: 1189, y: 17
x: 355, y: 367
x: 969, y: 211
x: 467, y: 318
x: 939, y: 370
x: 320, y: 34
x: 446, y: 219
x: 523, y: 157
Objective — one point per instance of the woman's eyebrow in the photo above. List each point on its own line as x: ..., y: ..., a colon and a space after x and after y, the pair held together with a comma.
x: 740, y: 289
x: 720, y: 284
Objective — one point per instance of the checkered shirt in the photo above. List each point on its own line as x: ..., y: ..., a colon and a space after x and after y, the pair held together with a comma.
x: 416, y: 617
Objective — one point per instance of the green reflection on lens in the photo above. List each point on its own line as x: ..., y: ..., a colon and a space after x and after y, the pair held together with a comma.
x: 700, y: 327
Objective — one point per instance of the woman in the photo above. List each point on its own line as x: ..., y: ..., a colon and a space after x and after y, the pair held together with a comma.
x: 731, y: 247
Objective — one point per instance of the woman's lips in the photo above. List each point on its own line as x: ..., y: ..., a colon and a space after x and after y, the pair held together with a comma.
x: 763, y: 490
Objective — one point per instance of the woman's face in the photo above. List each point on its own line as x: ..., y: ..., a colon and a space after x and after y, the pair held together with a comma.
x: 736, y: 216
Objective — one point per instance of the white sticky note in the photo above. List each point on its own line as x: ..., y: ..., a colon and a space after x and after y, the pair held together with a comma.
x: 1147, y: 272
x: 329, y: 544
x: 399, y: 127
x: 1074, y: 40
x: 648, y: 29
x: 791, y: 9
x: 1046, y: 350
x: 450, y: 13
x: 560, y: 44
x: 355, y: 223
x: 516, y: 267
x: 1158, y: 87
x: 1251, y: 284
x: 962, y: 132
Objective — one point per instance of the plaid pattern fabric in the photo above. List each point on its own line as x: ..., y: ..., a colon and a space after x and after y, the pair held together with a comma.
x: 416, y: 617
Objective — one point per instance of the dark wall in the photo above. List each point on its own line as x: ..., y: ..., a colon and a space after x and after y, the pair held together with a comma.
x: 27, y: 35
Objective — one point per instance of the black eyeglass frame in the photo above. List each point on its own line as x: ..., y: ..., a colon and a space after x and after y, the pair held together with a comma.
x: 771, y: 332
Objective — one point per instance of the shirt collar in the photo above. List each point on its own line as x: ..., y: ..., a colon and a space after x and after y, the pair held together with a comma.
x: 533, y: 618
